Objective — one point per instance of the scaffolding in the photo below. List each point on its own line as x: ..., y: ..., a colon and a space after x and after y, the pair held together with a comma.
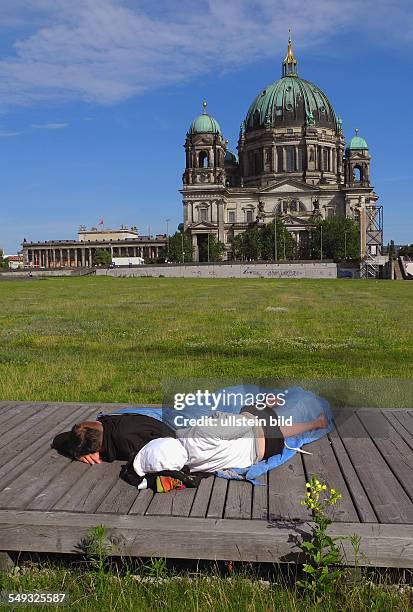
x: 370, y: 265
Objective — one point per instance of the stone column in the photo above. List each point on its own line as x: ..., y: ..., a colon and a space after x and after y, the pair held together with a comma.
x: 284, y: 159
x: 220, y: 211
x: 68, y: 257
x: 83, y: 256
x: 76, y: 257
x: 195, y: 247
x: 90, y: 257
x: 61, y: 258
x: 274, y: 159
x: 47, y: 258
x: 296, y: 158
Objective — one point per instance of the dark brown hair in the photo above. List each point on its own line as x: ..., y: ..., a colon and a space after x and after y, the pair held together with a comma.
x: 81, y: 440
x: 86, y: 440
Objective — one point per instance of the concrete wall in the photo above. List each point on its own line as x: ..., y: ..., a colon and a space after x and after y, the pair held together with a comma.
x: 231, y: 270
x: 35, y: 273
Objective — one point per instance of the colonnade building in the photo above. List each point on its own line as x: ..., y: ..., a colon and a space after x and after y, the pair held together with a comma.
x: 123, y: 242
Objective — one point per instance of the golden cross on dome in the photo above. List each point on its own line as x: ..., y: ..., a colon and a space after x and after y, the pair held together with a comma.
x: 289, y: 63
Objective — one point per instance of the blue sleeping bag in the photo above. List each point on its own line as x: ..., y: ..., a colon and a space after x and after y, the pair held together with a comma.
x: 303, y: 406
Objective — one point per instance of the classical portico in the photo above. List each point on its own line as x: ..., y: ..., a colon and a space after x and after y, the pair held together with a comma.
x: 80, y: 253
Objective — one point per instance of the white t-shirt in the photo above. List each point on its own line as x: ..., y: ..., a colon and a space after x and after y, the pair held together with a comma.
x: 229, y: 443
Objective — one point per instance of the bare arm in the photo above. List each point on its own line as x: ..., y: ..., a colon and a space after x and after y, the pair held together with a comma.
x: 91, y: 459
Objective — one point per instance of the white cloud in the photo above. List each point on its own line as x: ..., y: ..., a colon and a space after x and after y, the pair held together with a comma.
x: 103, y: 51
x: 10, y: 133
x: 49, y: 126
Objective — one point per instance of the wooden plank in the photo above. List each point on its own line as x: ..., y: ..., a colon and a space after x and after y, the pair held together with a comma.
x: 382, y: 545
x: 405, y: 418
x: 203, y: 494
x: 239, y: 500
x: 323, y: 465
x: 161, y: 504
x: 388, y: 498
x: 172, y: 503
x: 120, y: 498
x: 286, y: 487
x: 399, y: 427
x: 6, y: 412
x: 90, y: 490
x: 260, y: 499
x: 217, y: 499
x: 35, y: 443
x: 35, y: 478
x: 182, y: 502
x: 361, y: 501
x: 398, y: 455
x: 22, y: 421
x: 141, y: 503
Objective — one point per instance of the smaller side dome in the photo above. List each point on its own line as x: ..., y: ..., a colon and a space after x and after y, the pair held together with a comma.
x: 205, y: 124
x: 230, y: 158
x: 357, y: 143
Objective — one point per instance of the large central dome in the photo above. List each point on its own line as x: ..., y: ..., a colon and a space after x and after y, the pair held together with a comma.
x: 290, y: 101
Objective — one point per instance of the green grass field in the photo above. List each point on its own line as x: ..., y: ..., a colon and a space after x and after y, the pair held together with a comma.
x: 122, y: 340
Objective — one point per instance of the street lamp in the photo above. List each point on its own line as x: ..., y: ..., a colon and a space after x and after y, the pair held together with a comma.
x: 182, y: 245
x: 321, y: 242
x: 208, y: 247
x: 275, y: 232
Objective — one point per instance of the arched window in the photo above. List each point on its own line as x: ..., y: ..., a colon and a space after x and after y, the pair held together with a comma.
x: 357, y: 174
x: 203, y: 159
x: 256, y: 119
x: 203, y: 214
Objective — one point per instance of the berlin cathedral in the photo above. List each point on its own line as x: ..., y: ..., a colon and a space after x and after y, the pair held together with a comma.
x: 292, y: 163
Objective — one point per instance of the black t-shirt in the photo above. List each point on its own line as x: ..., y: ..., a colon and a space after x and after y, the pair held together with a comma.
x: 124, y: 435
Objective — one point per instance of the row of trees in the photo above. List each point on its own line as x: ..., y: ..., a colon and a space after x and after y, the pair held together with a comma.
x: 336, y: 238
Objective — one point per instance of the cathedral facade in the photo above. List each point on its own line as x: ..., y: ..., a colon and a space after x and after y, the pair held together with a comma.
x: 292, y: 163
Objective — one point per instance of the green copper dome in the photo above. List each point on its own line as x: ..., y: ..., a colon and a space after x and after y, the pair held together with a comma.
x: 357, y: 142
x: 290, y: 101
x: 205, y: 124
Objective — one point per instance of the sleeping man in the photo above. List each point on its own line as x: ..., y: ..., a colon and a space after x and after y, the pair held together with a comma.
x: 110, y: 437
x: 224, y: 441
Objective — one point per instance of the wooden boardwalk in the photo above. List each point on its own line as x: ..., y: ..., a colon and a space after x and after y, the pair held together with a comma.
x: 48, y: 503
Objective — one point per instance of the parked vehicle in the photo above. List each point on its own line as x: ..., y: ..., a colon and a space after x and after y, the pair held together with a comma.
x: 127, y: 261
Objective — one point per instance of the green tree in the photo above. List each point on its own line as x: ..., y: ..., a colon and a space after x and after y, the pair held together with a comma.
x: 102, y: 257
x: 258, y: 242
x: 406, y: 250
x: 211, y: 249
x: 3, y: 262
x: 338, y: 238
x: 391, y: 250
x: 246, y: 246
x: 286, y: 246
x: 178, y: 250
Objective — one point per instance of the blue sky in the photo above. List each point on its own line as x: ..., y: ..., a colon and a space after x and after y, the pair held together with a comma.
x: 96, y: 97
